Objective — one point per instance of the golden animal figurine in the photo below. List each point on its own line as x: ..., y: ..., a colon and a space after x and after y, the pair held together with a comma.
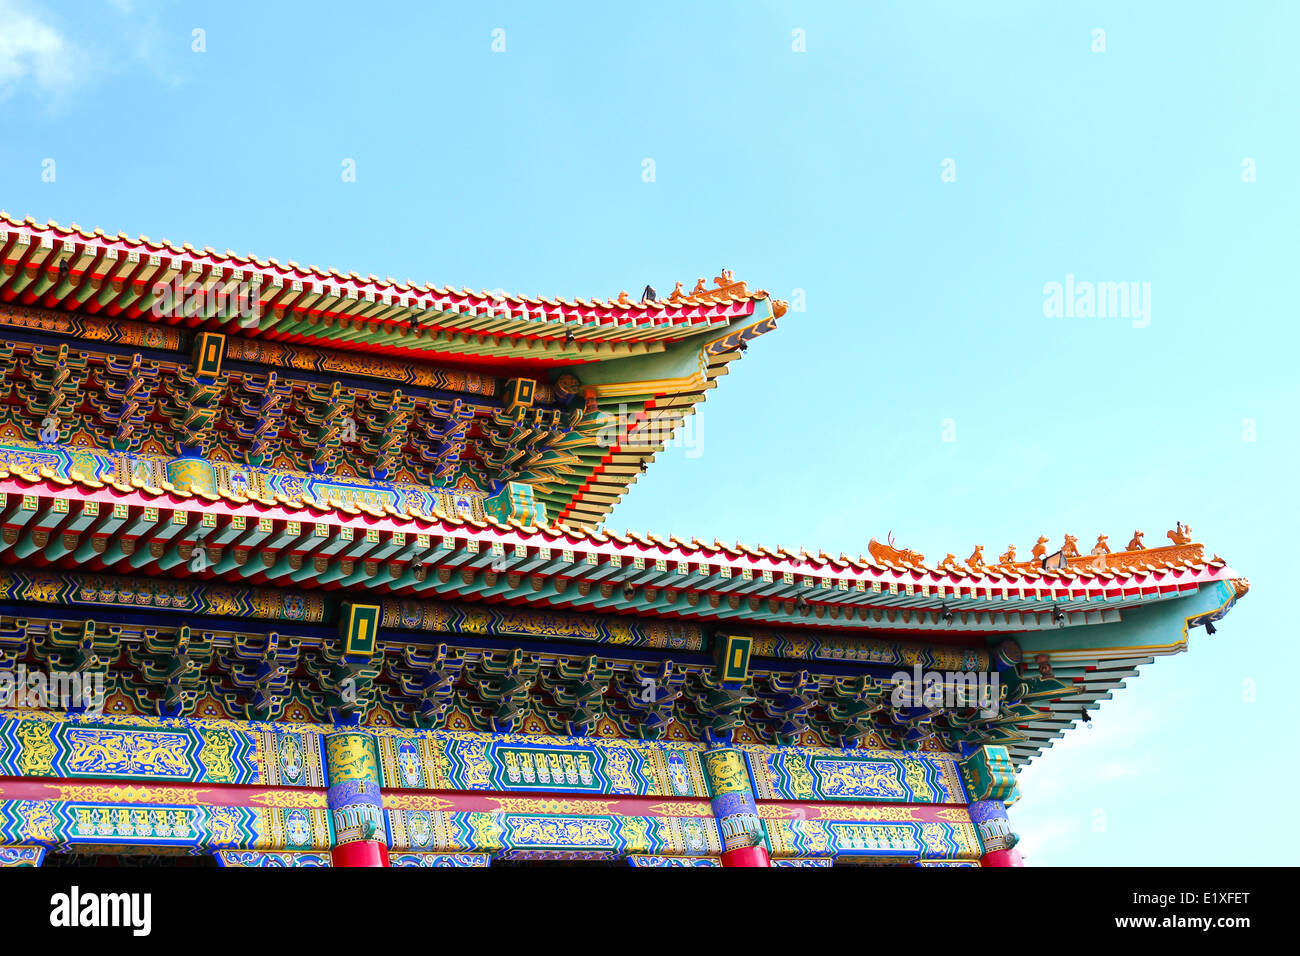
x: 727, y: 278
x: 1101, y: 547
x: 887, y: 552
x: 1071, y: 547
x: 950, y: 562
x: 678, y: 293
x: 699, y: 287
x: 976, y: 559
x: 1182, y: 534
x: 1135, y: 543
x: 1009, y: 557
x: 1040, y: 549
x: 623, y: 299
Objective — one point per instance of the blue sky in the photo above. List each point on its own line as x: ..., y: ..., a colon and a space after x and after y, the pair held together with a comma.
x: 820, y: 171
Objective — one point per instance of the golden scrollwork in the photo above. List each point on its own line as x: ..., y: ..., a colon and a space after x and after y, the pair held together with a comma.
x: 295, y: 799
x: 36, y: 759
x: 91, y: 793
x: 636, y: 833
x: 726, y: 771
x: 215, y: 755
x: 770, y: 811
x: 683, y: 808
x: 914, y: 774
x: 891, y: 814
x: 416, y: 801
x: 533, y: 805
x: 954, y: 815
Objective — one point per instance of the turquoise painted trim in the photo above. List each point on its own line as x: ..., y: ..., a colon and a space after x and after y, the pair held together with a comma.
x: 676, y: 361
x: 1159, y: 628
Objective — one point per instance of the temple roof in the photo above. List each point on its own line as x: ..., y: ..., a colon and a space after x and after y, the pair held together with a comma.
x: 777, y: 586
x: 1070, y: 635
x: 640, y: 364
x: 318, y: 306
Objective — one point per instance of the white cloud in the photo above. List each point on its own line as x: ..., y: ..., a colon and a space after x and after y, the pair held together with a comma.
x: 32, y: 49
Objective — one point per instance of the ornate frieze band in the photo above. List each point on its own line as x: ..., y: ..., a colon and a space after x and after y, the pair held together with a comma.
x: 239, y: 481
x: 290, y: 755
x: 445, y: 792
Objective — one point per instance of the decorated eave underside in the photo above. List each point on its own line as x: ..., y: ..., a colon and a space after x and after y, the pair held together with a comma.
x: 595, y: 421
x: 827, y: 632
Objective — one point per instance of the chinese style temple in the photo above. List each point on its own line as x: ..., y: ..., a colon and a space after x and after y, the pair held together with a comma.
x: 328, y: 549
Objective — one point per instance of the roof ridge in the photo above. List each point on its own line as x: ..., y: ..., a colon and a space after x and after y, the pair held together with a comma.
x: 726, y: 291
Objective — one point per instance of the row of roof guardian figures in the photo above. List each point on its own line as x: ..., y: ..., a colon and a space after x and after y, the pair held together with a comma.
x: 1100, y: 556
x: 330, y: 553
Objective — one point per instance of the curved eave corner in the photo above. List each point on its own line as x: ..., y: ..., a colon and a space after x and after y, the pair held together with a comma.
x: 653, y: 394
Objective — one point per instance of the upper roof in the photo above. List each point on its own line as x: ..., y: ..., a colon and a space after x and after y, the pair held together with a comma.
x: 318, y: 306
x: 643, y: 365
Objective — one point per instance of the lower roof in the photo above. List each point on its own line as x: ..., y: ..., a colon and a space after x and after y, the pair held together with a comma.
x: 388, y: 551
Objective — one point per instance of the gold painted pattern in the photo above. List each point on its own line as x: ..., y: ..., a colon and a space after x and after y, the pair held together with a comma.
x: 683, y: 808
x: 859, y: 812
x: 532, y: 805
x: 91, y: 793
x: 296, y: 799
x: 36, y: 759
x: 414, y: 801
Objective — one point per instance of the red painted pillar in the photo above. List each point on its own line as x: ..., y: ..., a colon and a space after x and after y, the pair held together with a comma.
x: 1002, y: 858
x: 356, y: 807
x: 360, y: 853
x: 747, y: 856
x: 741, y: 831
